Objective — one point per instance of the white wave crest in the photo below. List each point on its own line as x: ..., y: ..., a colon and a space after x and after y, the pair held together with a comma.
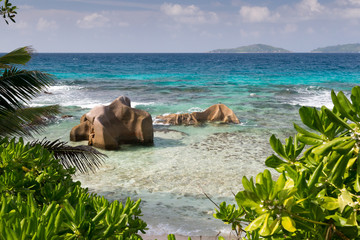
x: 313, y: 97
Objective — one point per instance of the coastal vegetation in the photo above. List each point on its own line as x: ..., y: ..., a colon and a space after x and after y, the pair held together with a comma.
x: 317, y: 193
x: 343, y: 48
x: 255, y: 48
x: 39, y: 199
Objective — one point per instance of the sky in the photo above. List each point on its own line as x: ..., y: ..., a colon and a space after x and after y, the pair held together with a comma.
x: 160, y: 26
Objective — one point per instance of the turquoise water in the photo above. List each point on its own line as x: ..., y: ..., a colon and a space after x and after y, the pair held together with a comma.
x: 264, y: 90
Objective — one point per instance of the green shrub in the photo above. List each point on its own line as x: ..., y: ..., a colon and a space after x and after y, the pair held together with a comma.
x: 39, y: 200
x: 317, y: 193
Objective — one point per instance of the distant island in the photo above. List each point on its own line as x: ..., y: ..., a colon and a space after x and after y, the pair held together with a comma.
x: 255, y: 48
x: 344, y: 48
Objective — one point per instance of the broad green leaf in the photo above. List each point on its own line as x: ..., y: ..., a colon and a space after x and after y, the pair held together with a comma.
x: 275, y: 226
x: 307, y: 117
x: 268, y: 182
x: 257, y: 223
x: 247, y: 199
x: 355, y: 98
x: 292, y: 173
x: 337, y: 174
x: 352, y: 220
x: 330, y: 203
x: 320, y: 150
x: 265, y: 229
x: 288, y: 224
x: 289, y: 203
x: 309, y: 140
x: 347, y: 106
x: 344, y: 199
x: 247, y: 185
x: 279, y: 185
x: 333, y: 117
x: 277, y: 146
x: 357, y: 181
x: 315, y: 176
x: 345, y: 146
x: 307, y: 133
x: 18, y: 56
x: 274, y: 162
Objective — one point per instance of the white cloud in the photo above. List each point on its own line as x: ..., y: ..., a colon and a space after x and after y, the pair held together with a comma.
x: 94, y: 20
x: 256, y: 14
x: 309, y: 7
x: 355, y: 2
x: 348, y: 2
x: 45, y: 25
x: 188, y: 14
x: 351, y: 13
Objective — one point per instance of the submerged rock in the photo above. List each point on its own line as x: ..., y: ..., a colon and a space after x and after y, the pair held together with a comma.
x: 215, y: 113
x: 109, y: 126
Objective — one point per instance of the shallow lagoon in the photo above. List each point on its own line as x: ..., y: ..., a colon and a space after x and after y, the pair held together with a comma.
x: 264, y: 90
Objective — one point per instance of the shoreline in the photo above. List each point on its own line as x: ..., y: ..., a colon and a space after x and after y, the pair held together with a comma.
x: 177, y: 236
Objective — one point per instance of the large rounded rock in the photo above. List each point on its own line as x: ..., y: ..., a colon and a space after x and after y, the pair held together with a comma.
x: 108, y: 126
x: 215, y: 113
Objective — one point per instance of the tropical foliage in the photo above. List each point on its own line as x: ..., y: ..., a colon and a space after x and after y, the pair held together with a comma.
x: 39, y: 200
x: 317, y: 193
x: 17, y: 87
x: 8, y: 11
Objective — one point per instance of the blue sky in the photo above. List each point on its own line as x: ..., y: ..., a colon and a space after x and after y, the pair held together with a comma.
x: 180, y: 26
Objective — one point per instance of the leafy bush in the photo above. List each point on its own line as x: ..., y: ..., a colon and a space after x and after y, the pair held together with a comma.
x: 317, y: 193
x: 39, y: 200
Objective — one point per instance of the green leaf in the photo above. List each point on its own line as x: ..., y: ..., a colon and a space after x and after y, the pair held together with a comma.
x: 247, y: 184
x: 307, y: 117
x: 279, y: 185
x: 351, y: 221
x: 18, y: 56
x: 257, y: 223
x: 324, y: 148
x: 275, y: 226
x: 330, y: 203
x: 288, y: 223
x: 345, y: 146
x: 309, y: 140
x: 274, y: 162
x: 355, y: 98
x: 307, y: 133
x: 315, y: 176
x: 344, y: 199
x: 268, y: 182
x: 335, y: 118
x: 337, y: 174
x: 347, y: 106
x: 265, y: 229
x: 277, y: 146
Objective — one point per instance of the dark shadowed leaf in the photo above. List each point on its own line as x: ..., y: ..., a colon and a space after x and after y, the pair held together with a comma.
x: 18, y: 56
x: 83, y: 158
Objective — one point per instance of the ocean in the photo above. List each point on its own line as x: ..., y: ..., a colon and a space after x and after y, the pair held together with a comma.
x: 264, y: 90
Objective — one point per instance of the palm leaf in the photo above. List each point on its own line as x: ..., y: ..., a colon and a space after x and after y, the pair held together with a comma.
x: 18, y: 56
x: 19, y: 86
x: 83, y: 158
x: 25, y: 120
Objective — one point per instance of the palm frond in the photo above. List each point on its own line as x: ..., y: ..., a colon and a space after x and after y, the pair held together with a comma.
x: 83, y: 158
x: 18, y: 56
x: 25, y: 120
x: 19, y: 86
